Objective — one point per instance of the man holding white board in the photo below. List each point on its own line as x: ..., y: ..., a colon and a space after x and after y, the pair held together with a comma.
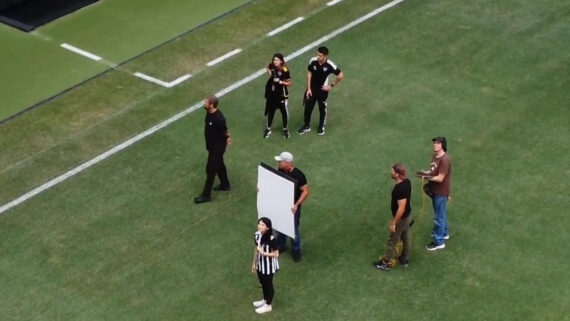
x: 274, y: 200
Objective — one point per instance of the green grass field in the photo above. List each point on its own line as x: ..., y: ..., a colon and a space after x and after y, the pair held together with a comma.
x: 124, y: 241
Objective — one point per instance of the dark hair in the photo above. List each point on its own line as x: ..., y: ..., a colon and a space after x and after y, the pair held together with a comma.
x: 324, y: 50
x: 400, y: 169
x: 212, y: 99
x: 442, y: 141
x: 280, y: 56
x: 266, y: 237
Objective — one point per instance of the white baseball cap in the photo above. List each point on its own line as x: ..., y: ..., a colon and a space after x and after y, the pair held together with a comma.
x: 284, y: 157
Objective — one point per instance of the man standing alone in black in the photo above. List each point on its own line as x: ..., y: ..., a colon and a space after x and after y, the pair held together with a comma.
x: 217, y: 138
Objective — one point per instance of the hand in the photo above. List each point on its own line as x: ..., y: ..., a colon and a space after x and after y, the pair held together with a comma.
x: 275, y: 79
x: 449, y: 198
x: 309, y: 93
x: 392, y: 228
x: 253, y: 268
x: 294, y: 209
x: 228, y: 141
x: 326, y: 88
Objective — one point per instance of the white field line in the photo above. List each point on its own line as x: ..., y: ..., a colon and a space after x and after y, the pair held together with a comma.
x: 332, y: 3
x: 224, y: 57
x: 285, y: 26
x: 161, y: 82
x: 81, y: 52
x: 187, y: 111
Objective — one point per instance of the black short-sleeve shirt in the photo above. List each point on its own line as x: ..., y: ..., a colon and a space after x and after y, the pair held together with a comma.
x: 215, y: 130
x: 402, y: 190
x: 274, y: 89
x: 320, y: 73
x: 298, y: 176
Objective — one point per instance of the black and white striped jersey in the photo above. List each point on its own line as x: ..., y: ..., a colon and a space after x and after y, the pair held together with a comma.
x: 265, y: 264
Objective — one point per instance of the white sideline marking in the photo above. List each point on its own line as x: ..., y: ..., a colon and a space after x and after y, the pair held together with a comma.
x: 285, y: 26
x: 224, y: 57
x: 185, y: 112
x: 81, y: 52
x: 161, y: 82
x: 332, y: 3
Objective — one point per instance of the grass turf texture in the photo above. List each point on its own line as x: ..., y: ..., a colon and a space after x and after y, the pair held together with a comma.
x: 124, y: 241
x: 35, y: 68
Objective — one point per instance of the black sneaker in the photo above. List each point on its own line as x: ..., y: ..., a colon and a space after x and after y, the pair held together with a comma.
x: 303, y: 130
x: 404, y: 261
x: 296, y: 256
x: 266, y: 133
x: 286, y: 133
x: 201, y: 199
x: 381, y: 266
x: 321, y: 131
x: 434, y: 247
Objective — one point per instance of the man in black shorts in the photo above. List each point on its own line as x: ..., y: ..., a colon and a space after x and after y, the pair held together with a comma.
x: 318, y: 87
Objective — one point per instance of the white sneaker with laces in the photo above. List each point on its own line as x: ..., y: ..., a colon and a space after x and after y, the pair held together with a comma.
x: 259, y: 304
x: 264, y: 309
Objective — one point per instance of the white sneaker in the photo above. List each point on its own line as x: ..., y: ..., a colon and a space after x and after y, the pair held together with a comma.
x: 259, y: 304
x: 264, y: 309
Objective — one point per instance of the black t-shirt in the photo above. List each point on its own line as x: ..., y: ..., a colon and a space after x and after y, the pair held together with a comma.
x: 215, y: 130
x: 273, y: 90
x: 319, y: 73
x: 297, y: 175
x: 402, y: 190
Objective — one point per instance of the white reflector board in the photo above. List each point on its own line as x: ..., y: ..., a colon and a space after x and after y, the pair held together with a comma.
x: 275, y: 198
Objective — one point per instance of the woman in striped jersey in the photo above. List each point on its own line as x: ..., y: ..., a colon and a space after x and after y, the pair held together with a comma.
x: 265, y: 263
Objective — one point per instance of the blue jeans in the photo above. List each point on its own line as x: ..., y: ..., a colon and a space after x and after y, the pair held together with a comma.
x: 282, y: 238
x: 440, y: 219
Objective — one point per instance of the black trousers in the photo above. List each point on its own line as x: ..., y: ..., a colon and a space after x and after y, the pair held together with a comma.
x: 273, y: 105
x: 266, y: 286
x: 319, y: 97
x: 215, y: 166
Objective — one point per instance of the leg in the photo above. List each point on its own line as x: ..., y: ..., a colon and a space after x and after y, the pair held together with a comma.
x: 309, y: 105
x: 440, y: 220
x: 266, y: 286
x: 210, y: 175
x: 322, y: 112
x: 391, y: 246
x: 270, y: 113
x: 285, y: 113
x: 405, y: 237
x: 297, y: 240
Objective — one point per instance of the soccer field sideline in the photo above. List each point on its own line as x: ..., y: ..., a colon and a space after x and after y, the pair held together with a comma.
x: 187, y: 111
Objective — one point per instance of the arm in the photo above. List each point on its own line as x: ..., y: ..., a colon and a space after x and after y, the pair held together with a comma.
x: 302, y: 198
x: 398, y: 216
x: 228, y: 138
x: 268, y: 254
x: 309, y: 76
x: 286, y: 82
x: 335, y: 82
x: 254, y: 264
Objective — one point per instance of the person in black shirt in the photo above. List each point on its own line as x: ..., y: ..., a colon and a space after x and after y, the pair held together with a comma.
x: 286, y: 166
x: 401, y: 219
x: 265, y: 263
x: 217, y: 138
x: 319, y: 69
x: 277, y: 94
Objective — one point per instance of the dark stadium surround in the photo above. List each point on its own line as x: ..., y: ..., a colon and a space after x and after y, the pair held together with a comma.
x: 27, y: 15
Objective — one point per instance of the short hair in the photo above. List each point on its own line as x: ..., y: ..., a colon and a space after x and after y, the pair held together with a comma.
x: 400, y: 169
x: 212, y: 99
x: 324, y: 50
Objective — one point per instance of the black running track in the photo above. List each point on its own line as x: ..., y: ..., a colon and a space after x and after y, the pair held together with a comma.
x: 27, y: 15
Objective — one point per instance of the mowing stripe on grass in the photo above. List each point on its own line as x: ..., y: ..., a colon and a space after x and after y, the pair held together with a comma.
x: 162, y: 82
x: 187, y: 111
x: 285, y: 26
x: 81, y: 52
x: 224, y: 57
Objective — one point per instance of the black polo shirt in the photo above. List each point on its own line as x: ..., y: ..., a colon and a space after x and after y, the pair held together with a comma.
x: 320, y: 73
x: 298, y: 176
x: 215, y: 130
x: 274, y: 89
x: 402, y: 190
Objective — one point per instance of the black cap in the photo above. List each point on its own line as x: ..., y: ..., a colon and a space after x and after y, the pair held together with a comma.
x: 441, y: 140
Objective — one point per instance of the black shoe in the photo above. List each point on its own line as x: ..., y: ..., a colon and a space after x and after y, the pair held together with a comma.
x: 222, y: 188
x: 303, y: 130
x: 321, y: 131
x: 266, y: 133
x: 404, y: 261
x: 434, y: 247
x: 202, y: 199
x: 286, y: 133
x: 381, y: 266
x: 296, y: 256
